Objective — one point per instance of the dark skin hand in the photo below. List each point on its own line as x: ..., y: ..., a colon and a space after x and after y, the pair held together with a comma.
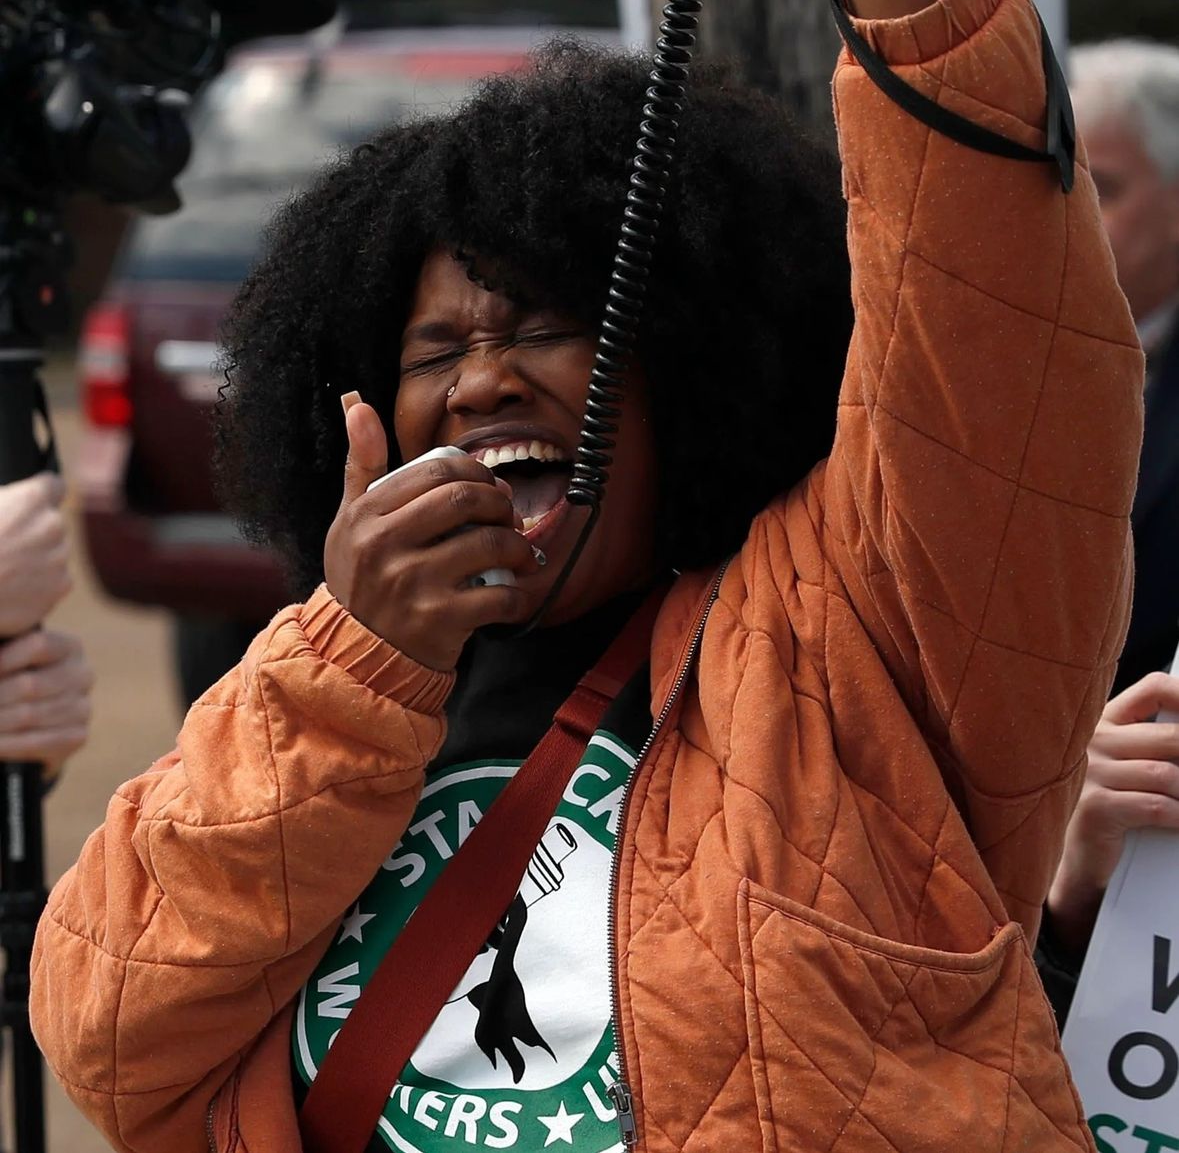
x: 390, y: 561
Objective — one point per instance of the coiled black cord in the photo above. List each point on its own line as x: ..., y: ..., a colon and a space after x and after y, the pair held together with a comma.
x: 654, y: 152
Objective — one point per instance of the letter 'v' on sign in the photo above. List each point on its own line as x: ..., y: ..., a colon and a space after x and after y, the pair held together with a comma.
x: 1165, y: 987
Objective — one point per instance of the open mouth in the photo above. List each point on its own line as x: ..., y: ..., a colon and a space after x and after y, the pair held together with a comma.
x: 539, y: 474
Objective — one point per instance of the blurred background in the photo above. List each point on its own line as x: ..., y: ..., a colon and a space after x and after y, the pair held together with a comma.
x: 167, y: 593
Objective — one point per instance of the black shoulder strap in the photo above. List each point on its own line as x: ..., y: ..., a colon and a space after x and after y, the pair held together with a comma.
x: 1061, y: 128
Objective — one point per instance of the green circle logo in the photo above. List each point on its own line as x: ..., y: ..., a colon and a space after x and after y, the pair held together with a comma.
x: 522, y: 1053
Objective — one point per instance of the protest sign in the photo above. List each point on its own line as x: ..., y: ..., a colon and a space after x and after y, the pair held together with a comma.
x: 1122, y: 1034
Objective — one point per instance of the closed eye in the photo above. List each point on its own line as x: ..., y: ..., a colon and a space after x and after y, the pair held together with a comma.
x: 548, y: 336
x: 427, y: 363
x: 537, y: 339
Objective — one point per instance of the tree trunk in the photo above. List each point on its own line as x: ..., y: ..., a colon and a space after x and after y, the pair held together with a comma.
x: 784, y: 47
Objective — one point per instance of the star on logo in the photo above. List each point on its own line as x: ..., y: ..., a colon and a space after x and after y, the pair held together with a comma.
x: 560, y: 1127
x: 353, y: 925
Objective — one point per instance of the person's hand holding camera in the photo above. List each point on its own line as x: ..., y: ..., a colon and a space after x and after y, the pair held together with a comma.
x: 34, y: 553
x: 45, y: 683
x: 45, y: 679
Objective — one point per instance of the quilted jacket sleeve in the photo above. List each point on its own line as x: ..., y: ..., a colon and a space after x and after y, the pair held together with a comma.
x: 976, y: 502
x: 204, y: 901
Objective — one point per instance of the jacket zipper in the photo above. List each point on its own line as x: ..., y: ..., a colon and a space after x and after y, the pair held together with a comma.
x: 619, y: 1092
x: 210, y: 1115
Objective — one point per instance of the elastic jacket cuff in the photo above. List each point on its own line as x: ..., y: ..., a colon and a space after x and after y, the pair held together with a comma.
x: 338, y: 637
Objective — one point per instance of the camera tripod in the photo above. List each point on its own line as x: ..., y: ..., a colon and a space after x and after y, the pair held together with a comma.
x: 32, y: 260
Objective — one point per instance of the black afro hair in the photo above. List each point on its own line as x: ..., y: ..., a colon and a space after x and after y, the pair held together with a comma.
x: 749, y: 307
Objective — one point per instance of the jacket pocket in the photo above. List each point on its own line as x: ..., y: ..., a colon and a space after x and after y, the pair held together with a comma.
x: 221, y: 1121
x: 859, y: 1044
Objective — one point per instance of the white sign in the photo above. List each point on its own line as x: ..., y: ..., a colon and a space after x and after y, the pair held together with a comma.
x: 1122, y: 1034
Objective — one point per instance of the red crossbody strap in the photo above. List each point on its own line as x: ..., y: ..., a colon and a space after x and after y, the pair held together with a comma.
x: 437, y: 945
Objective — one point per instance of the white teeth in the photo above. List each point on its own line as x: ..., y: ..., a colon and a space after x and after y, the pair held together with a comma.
x: 530, y: 522
x: 490, y: 457
x: 508, y: 453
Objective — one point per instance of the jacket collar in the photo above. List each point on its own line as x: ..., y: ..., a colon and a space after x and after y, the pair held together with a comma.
x: 672, y: 637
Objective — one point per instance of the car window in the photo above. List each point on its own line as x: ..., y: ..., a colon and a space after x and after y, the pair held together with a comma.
x: 263, y: 128
x: 271, y: 122
x: 210, y: 238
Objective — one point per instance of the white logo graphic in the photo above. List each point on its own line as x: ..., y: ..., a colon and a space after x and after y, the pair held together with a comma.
x: 528, y: 1034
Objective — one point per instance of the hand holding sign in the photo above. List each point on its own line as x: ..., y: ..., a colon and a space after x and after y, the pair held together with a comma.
x: 1122, y: 1036
x: 1132, y: 783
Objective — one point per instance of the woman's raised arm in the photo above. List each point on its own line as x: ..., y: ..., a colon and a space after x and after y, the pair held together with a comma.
x: 976, y: 502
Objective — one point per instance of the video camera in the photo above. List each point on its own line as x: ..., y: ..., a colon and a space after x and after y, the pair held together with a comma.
x: 93, y: 99
x: 98, y: 92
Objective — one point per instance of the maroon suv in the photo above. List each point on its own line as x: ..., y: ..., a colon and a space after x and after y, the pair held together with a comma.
x: 154, y: 530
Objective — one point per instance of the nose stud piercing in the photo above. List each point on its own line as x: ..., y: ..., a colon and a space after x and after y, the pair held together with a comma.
x: 451, y: 390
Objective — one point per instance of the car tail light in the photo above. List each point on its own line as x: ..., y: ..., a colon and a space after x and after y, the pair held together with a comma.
x: 104, y: 360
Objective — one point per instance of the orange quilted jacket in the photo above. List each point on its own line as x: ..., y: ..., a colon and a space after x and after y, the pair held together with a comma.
x: 835, y: 853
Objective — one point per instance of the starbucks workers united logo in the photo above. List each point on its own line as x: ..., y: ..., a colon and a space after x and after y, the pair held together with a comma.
x: 522, y: 1052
